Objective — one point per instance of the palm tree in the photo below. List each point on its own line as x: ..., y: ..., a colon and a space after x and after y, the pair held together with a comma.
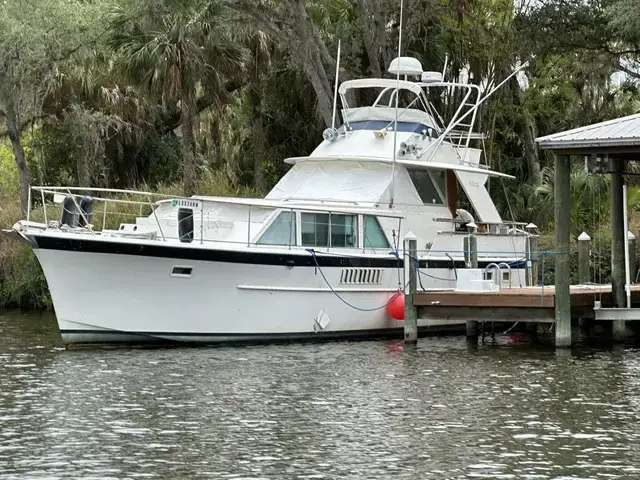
x: 183, y: 52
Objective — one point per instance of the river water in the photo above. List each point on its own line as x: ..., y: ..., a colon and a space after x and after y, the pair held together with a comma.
x: 358, y: 410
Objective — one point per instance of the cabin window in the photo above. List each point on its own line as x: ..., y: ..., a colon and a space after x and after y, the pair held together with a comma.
x: 424, y: 185
x: 315, y: 229
x: 281, y: 232
x: 374, y: 237
x: 344, y: 230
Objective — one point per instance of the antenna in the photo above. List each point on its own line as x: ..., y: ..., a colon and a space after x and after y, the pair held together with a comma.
x: 395, y: 126
x: 335, y: 92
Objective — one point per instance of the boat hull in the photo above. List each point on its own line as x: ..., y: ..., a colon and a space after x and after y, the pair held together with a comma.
x: 104, y: 298
x: 113, y: 292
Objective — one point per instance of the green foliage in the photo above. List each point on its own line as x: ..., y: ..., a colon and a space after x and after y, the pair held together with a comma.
x: 8, y: 173
x: 23, y: 284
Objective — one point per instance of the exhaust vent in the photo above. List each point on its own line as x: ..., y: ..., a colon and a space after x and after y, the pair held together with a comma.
x: 361, y: 276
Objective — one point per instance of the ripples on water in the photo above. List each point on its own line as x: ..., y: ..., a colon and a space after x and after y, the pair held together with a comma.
x: 338, y: 410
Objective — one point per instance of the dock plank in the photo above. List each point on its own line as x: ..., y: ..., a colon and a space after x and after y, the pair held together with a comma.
x: 582, y: 297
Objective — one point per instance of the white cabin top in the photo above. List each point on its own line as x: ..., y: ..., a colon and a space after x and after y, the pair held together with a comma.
x: 366, y: 159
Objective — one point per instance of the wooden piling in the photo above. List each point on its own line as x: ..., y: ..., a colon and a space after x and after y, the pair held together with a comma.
x: 562, y: 200
x: 532, y: 256
x: 411, y: 269
x: 584, y: 254
x: 467, y: 252
x: 631, y: 238
x: 533, y: 248
x: 473, y: 250
x: 584, y: 271
x: 618, y: 239
x: 472, y: 325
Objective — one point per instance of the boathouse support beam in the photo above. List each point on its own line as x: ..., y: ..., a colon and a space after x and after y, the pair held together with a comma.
x: 562, y: 208
x: 618, y: 239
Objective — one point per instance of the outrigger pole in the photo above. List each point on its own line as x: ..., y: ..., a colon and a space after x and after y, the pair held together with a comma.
x: 395, y: 126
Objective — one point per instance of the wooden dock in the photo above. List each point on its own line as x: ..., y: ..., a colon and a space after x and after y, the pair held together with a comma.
x: 529, y: 304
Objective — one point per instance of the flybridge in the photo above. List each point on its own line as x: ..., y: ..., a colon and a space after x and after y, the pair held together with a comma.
x: 396, y: 106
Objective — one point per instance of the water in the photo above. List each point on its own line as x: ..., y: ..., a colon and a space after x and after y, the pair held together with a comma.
x: 339, y: 410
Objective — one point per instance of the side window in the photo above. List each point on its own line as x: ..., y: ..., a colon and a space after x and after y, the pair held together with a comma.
x: 373, y: 235
x: 424, y: 185
x: 315, y: 229
x: 344, y: 231
x: 281, y: 232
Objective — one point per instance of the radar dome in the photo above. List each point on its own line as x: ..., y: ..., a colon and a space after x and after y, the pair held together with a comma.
x: 407, y: 66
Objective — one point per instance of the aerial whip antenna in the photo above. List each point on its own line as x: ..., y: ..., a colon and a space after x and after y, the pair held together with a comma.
x: 335, y: 91
x: 395, y: 126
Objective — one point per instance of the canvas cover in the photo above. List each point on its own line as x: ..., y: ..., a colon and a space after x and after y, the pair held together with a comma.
x: 346, y: 180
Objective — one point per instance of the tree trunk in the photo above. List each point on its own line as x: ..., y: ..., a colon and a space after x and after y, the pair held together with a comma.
x: 529, y: 137
x: 311, y: 59
x: 258, y: 139
x: 325, y: 103
x: 369, y: 34
x: 14, y: 133
x: 188, y: 146
x: 84, y: 173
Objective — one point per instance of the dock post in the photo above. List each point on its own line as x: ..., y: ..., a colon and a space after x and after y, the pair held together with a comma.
x: 584, y: 271
x: 584, y: 254
x: 562, y: 199
x: 618, y: 239
x: 410, y: 309
x: 473, y: 250
x: 532, y: 255
x: 631, y: 238
x: 466, y: 250
x: 472, y: 325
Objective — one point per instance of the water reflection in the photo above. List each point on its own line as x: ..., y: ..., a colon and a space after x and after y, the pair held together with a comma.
x: 337, y: 410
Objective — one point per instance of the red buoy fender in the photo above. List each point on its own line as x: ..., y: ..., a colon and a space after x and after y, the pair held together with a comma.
x: 395, y: 307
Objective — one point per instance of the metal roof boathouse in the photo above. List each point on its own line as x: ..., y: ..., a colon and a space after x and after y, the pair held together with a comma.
x: 606, y: 148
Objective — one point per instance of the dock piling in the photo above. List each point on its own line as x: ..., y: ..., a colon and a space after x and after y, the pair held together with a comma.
x: 410, y: 309
x: 618, y: 246
x: 584, y: 254
x: 562, y: 198
x: 472, y: 325
x: 473, y: 250
x: 631, y: 238
x: 584, y: 271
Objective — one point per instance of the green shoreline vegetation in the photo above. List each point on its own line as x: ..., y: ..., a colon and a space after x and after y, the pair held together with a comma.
x: 209, y: 96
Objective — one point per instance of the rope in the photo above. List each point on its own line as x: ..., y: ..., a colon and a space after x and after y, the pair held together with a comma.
x: 393, y: 297
x: 510, y: 328
x: 417, y: 260
x: 455, y: 270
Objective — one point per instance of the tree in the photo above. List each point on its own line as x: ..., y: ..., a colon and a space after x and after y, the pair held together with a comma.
x: 36, y: 40
x: 176, y: 51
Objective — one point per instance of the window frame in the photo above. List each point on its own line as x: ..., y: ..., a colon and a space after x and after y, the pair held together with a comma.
x: 442, y: 195
x: 270, y: 222
x: 363, y: 238
x: 329, y: 245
